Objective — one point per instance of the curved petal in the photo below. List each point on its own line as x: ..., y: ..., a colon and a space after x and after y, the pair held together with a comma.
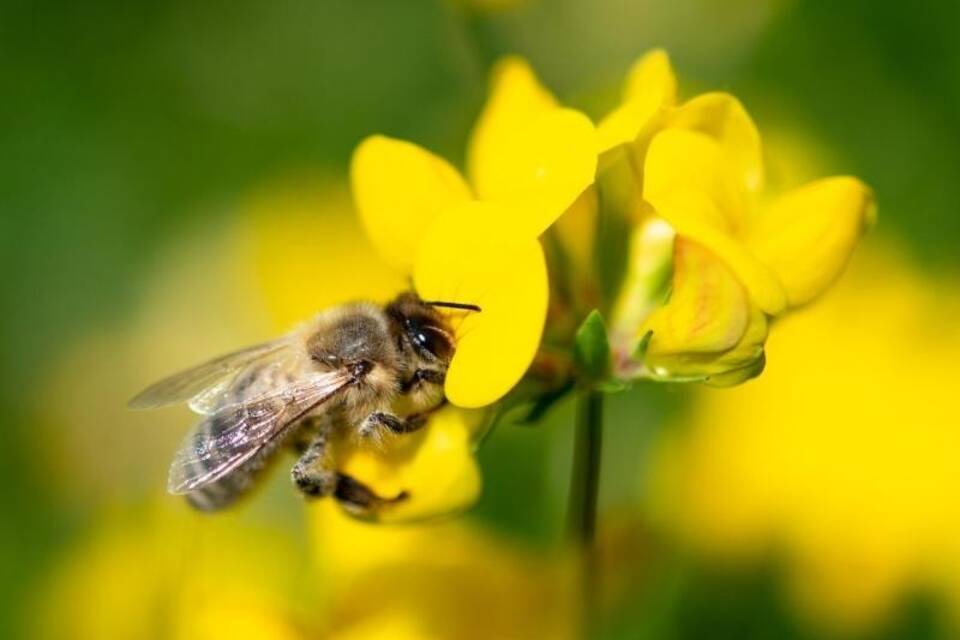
x: 539, y: 167
x: 435, y: 467
x: 723, y: 117
x: 709, y: 330
x: 515, y: 93
x: 651, y: 86
x: 576, y: 230
x: 708, y: 306
x: 649, y: 258
x: 399, y: 188
x: 516, y: 99
x: 527, y: 152
x: 467, y: 257
x: 681, y: 160
x: 808, y: 234
x: 694, y: 216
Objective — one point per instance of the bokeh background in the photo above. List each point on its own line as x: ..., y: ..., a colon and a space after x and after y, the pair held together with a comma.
x: 172, y: 184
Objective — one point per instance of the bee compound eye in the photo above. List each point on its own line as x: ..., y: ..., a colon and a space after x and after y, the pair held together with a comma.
x: 429, y: 339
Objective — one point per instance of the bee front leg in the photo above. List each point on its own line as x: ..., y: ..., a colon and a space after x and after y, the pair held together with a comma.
x: 430, y: 376
x: 378, y: 420
x: 312, y: 474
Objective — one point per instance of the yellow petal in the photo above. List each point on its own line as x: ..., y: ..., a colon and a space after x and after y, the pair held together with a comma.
x: 399, y: 188
x: 747, y: 359
x: 680, y: 161
x: 516, y: 95
x: 652, y: 74
x: 651, y: 86
x: 808, y: 235
x: 576, y: 230
x: 709, y: 330
x: 649, y: 260
x: 527, y: 152
x: 435, y: 467
x: 694, y: 216
x: 708, y: 306
x: 468, y: 256
x: 722, y: 117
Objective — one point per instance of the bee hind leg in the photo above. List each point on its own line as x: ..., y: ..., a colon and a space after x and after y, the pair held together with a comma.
x: 312, y: 473
x: 359, y: 499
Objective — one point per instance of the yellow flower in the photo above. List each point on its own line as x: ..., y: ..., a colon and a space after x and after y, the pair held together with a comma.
x: 438, y: 580
x: 739, y: 260
x: 528, y: 160
x: 843, y: 456
x: 163, y: 574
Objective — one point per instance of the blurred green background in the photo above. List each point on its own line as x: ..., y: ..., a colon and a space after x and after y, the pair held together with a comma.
x: 131, y: 128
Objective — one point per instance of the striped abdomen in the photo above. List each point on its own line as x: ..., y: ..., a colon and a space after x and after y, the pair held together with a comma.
x: 226, y: 490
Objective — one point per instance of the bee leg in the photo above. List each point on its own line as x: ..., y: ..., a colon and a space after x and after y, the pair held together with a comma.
x: 311, y: 473
x: 422, y: 375
x: 359, y: 499
x: 377, y: 420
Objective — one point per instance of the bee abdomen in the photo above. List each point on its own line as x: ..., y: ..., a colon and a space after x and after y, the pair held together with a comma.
x: 215, y: 496
x: 225, y: 491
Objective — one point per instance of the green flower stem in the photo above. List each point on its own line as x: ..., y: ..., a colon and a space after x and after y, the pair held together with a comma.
x: 582, y: 505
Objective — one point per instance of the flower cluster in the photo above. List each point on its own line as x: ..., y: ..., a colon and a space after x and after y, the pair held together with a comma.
x: 710, y: 260
x: 477, y: 242
x: 739, y: 257
x: 473, y: 241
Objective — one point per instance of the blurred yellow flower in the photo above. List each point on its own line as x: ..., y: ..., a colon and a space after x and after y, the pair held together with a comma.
x: 843, y: 456
x: 528, y: 161
x: 300, y: 249
x: 165, y: 573
x: 440, y: 580
x: 162, y: 574
x: 738, y: 261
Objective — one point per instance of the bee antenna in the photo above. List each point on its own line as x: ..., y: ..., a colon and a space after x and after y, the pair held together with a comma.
x: 452, y: 305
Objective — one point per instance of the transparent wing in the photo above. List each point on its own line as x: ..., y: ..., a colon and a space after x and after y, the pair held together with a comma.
x: 267, y: 374
x: 234, y: 434
x: 217, y: 373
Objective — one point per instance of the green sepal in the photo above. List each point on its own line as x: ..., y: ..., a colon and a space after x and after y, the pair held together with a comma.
x: 591, y: 349
x: 640, y: 352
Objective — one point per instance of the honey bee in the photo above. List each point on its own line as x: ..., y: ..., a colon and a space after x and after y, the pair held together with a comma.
x: 368, y: 369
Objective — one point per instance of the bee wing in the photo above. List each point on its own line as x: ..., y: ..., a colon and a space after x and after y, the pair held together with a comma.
x: 235, y: 433
x: 215, y: 375
x: 226, y: 391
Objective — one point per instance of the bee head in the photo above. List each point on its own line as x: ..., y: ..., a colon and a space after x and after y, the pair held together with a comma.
x: 420, y: 327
